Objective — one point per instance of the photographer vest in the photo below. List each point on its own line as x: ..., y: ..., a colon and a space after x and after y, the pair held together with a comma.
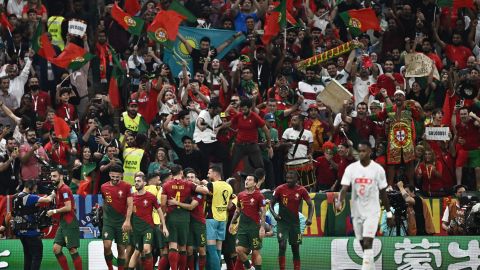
x: 23, y: 216
x: 132, y: 159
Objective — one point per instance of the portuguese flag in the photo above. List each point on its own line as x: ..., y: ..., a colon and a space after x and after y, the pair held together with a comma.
x: 5, y: 22
x: 132, y: 7
x: 181, y: 10
x: 131, y: 24
x: 116, y: 80
x: 277, y: 20
x: 164, y: 27
x: 73, y: 57
x: 337, y: 223
x: 42, y: 45
x: 61, y: 128
x: 455, y: 3
x: 360, y: 20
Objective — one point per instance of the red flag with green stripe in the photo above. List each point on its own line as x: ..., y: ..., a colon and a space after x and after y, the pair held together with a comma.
x: 275, y: 21
x: 42, y: 45
x: 73, y: 57
x: 115, y: 80
x: 131, y: 24
x: 132, y: 7
x: 455, y: 3
x: 164, y: 27
x: 5, y: 22
x: 360, y: 20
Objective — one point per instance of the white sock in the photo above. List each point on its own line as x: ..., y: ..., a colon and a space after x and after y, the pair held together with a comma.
x: 368, y: 260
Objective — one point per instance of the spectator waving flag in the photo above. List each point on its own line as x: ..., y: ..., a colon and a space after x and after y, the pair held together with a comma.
x: 360, y: 20
x: 178, y: 52
x: 164, y: 27
x: 131, y: 24
x: 61, y: 128
x: 73, y: 57
x: 181, y: 10
x: 42, y: 45
x: 455, y: 3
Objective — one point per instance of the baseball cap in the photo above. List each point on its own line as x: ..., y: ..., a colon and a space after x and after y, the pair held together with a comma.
x: 375, y: 103
x: 269, y: 117
x: 132, y: 101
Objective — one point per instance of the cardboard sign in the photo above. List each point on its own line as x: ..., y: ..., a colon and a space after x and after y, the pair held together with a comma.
x: 77, y: 27
x: 334, y: 95
x: 419, y: 65
x: 437, y: 133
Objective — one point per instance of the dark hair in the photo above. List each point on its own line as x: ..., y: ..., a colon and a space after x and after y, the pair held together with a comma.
x: 260, y: 173
x: 108, y: 128
x: 57, y: 169
x: 64, y: 90
x: 363, y: 104
x: 255, y: 178
x: 246, y: 102
x: 176, y: 169
x: 216, y: 169
x: 457, y: 187
x: 182, y: 114
x: 152, y: 175
x: 189, y: 170
x: 205, y: 39
x: 294, y: 173
x: 184, y: 138
x: 366, y: 143
x: 30, y: 184
x: 116, y: 168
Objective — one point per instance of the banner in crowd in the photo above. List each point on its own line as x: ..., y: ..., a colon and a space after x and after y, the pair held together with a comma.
x: 325, y: 56
x: 316, y: 253
x: 327, y: 220
x: 437, y: 133
x: 420, y: 65
x: 179, y: 52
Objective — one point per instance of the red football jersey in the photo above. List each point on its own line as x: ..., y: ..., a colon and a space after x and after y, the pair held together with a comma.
x: 250, y: 204
x: 290, y: 199
x: 198, y: 213
x: 179, y: 189
x: 143, y: 206
x: 64, y: 194
x: 115, y: 199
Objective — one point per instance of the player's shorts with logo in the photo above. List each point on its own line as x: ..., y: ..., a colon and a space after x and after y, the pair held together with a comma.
x: 366, y: 226
x: 197, y: 236
x: 68, y: 234
x: 114, y: 232
x: 248, y: 234
x: 290, y: 231
x: 141, y: 237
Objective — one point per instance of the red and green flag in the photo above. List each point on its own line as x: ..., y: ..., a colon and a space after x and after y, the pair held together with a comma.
x: 275, y: 21
x: 73, y: 57
x: 132, y: 7
x: 116, y: 80
x: 455, y: 3
x: 5, y: 22
x: 182, y: 10
x: 61, y: 128
x: 42, y: 45
x: 164, y: 27
x: 360, y: 20
x: 133, y: 25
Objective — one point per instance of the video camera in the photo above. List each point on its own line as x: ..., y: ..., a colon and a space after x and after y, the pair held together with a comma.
x: 96, y: 217
x: 471, y: 206
x: 397, y: 202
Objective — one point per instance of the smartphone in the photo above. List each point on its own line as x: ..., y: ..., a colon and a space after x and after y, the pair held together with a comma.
x: 150, y: 50
x: 459, y: 103
x: 15, y: 149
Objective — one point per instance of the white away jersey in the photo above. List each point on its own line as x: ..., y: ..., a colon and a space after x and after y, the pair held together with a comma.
x: 366, y: 183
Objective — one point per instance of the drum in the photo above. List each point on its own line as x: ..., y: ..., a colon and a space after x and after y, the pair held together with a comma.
x: 305, y: 170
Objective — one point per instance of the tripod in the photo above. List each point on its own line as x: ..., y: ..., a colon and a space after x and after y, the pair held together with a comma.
x: 400, y: 217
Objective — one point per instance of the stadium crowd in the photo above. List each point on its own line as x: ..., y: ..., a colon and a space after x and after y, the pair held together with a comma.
x: 254, y: 112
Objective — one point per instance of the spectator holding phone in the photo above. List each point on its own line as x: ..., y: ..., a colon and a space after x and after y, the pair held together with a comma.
x: 32, y: 156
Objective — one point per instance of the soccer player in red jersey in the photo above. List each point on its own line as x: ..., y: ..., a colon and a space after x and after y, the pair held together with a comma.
x: 143, y: 204
x: 68, y: 233
x: 117, y: 212
x: 178, y: 219
x: 289, y: 196
x: 251, y: 228
x: 197, y: 236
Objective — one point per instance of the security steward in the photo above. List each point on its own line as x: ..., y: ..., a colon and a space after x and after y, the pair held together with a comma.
x: 25, y: 223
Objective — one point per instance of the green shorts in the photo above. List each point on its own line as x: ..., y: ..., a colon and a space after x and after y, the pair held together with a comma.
x: 290, y: 231
x: 68, y: 235
x: 248, y: 236
x: 228, y: 246
x: 197, y: 236
x: 111, y: 232
x: 474, y: 159
x: 142, y: 237
x: 178, y: 231
x: 159, y: 240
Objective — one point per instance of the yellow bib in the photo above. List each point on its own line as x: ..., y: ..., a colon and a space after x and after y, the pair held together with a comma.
x: 222, y: 191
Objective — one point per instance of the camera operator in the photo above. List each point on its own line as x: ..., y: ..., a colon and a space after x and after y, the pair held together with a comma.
x: 418, y: 216
x: 454, y: 216
x: 26, y: 223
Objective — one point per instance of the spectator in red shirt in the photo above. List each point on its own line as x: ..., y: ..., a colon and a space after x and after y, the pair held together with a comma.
x: 456, y: 53
x: 247, y: 124
x: 429, y: 172
x: 66, y: 110
x: 467, y: 133
x: 363, y: 125
x: 57, y: 150
x: 41, y: 99
x: 38, y: 7
x: 326, y: 168
x: 390, y: 80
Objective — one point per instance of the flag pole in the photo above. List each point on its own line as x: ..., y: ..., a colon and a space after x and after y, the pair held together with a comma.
x: 11, y: 36
x: 66, y: 78
x: 285, y: 38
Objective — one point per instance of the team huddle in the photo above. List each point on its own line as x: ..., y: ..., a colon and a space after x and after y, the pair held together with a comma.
x: 181, y: 222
